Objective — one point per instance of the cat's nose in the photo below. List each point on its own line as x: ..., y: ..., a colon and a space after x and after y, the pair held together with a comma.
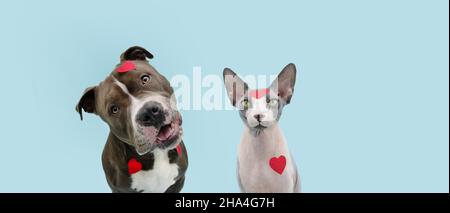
x: 258, y: 117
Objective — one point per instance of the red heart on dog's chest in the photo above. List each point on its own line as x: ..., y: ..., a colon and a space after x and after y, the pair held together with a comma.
x: 134, y: 166
x: 179, y: 151
x: 278, y: 164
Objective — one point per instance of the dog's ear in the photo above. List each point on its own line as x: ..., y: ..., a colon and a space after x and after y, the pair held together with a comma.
x: 234, y: 85
x: 284, y: 83
x: 87, y: 101
x: 136, y: 53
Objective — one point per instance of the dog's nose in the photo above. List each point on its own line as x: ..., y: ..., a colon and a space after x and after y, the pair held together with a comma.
x: 151, y: 114
x: 258, y: 117
x: 155, y: 110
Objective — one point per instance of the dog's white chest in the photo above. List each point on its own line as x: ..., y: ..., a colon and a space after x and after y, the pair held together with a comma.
x: 158, y: 179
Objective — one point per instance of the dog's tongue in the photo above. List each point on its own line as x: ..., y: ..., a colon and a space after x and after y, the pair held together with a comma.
x: 165, y: 133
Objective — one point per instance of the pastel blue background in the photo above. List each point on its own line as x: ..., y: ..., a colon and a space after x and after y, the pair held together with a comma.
x: 369, y: 113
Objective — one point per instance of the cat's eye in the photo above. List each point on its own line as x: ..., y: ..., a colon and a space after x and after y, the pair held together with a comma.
x: 245, y: 104
x: 272, y: 102
x: 145, y: 79
x: 114, y: 109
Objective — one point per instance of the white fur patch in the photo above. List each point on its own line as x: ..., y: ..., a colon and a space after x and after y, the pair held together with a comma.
x: 158, y: 179
x: 259, y: 107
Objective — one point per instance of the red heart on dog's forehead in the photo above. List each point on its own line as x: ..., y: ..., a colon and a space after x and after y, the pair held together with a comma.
x: 126, y: 66
x: 258, y: 93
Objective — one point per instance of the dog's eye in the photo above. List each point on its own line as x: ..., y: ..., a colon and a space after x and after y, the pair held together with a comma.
x: 245, y: 104
x: 272, y: 102
x: 114, y: 109
x: 145, y: 79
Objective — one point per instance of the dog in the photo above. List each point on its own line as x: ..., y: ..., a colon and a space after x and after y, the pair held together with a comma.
x: 144, y: 151
x: 264, y: 162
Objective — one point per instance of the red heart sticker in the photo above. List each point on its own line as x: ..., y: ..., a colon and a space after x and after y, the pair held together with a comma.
x: 278, y: 164
x: 258, y: 93
x: 179, y: 151
x: 126, y: 66
x: 134, y: 166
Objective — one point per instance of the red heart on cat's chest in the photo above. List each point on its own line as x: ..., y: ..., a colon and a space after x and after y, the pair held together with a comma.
x: 134, y: 166
x: 278, y: 164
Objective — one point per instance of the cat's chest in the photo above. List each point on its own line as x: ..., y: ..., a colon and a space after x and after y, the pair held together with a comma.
x: 265, y: 165
x: 271, y: 174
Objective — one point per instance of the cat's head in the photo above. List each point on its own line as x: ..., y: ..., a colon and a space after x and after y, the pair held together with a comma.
x: 260, y: 108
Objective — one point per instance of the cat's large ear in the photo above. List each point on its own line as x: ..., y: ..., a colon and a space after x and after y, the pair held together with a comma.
x: 234, y: 85
x: 285, y: 82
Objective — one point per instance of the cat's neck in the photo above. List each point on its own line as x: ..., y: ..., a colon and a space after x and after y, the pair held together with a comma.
x: 265, y: 137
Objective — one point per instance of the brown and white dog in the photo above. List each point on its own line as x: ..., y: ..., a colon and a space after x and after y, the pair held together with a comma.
x: 144, y: 151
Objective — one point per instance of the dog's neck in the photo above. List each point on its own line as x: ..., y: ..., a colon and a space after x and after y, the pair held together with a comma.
x: 126, y: 149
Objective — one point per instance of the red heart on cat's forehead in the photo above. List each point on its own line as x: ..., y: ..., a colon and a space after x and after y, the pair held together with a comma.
x: 126, y: 66
x: 258, y: 93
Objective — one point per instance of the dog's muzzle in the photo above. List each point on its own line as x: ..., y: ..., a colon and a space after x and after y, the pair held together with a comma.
x: 156, y: 127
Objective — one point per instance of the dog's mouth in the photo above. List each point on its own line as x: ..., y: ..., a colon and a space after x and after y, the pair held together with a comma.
x: 150, y: 137
x: 169, y: 131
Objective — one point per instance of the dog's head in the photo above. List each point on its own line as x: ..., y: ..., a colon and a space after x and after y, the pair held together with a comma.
x: 137, y: 103
x: 260, y: 108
